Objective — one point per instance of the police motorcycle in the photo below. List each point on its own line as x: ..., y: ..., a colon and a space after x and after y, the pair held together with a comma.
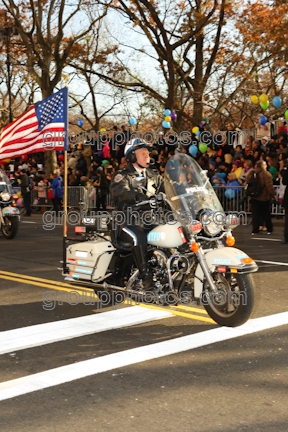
x: 186, y: 251
x: 9, y: 214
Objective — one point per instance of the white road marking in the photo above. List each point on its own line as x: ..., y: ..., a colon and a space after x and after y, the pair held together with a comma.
x: 272, y: 262
x: 64, y: 374
x: 269, y: 239
x: 42, y: 334
x: 27, y: 222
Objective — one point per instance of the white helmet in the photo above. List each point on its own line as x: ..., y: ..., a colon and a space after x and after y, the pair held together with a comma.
x: 133, y: 145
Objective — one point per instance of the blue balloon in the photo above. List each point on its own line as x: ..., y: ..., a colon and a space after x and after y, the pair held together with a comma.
x: 229, y: 193
x: 263, y: 120
x: 166, y: 124
x: 167, y: 112
x: 193, y: 150
x: 277, y: 101
x: 198, y: 133
x: 80, y: 122
x: 132, y: 121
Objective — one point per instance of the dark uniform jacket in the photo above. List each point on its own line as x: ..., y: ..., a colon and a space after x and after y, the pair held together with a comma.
x: 125, y: 195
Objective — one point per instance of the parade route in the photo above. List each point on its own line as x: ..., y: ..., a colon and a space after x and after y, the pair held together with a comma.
x: 101, y: 369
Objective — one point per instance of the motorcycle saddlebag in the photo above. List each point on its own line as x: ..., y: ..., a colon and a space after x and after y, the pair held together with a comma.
x: 89, y: 260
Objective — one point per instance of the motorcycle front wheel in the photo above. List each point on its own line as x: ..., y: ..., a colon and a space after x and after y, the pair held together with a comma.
x: 233, y: 303
x: 10, y: 227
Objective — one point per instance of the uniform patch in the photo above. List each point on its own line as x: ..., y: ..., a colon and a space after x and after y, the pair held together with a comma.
x: 118, y: 178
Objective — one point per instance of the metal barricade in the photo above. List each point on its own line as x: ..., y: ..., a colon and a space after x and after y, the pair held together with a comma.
x: 233, y: 198
x: 92, y: 197
x: 39, y: 197
x: 77, y: 195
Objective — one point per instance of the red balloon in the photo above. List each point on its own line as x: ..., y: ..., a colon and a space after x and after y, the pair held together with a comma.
x: 25, y: 157
x: 61, y: 157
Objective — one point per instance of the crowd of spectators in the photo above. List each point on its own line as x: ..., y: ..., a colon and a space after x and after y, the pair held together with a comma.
x: 227, y: 164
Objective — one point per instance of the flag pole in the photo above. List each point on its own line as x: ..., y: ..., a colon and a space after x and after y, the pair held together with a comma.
x: 65, y: 192
x: 65, y: 211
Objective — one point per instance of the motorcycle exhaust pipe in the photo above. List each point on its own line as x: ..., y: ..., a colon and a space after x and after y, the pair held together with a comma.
x: 104, y: 286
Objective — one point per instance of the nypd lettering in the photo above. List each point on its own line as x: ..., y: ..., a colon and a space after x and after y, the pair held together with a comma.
x: 156, y: 236
x: 224, y: 261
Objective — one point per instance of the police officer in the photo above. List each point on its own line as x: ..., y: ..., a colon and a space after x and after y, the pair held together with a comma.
x: 126, y: 196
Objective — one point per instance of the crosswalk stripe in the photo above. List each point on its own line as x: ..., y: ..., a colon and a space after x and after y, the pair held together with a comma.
x: 83, y: 369
x: 42, y: 334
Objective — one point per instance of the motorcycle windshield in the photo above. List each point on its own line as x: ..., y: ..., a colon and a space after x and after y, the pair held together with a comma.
x: 5, y: 185
x: 188, y: 188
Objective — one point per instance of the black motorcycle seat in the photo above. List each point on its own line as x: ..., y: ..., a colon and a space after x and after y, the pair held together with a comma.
x: 123, y: 245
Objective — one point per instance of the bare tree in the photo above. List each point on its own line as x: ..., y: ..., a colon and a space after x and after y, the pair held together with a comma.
x: 190, y: 42
x: 101, y: 99
x: 46, y: 30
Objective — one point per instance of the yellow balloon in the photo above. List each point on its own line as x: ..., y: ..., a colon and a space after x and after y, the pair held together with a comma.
x: 263, y: 98
x: 195, y: 129
x: 254, y: 99
x: 7, y: 160
x: 103, y: 130
x: 168, y: 119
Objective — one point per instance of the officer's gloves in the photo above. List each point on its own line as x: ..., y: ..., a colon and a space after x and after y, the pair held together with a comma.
x: 141, y: 197
x: 153, y: 200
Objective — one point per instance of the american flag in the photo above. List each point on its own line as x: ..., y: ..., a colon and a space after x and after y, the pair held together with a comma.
x: 42, y: 127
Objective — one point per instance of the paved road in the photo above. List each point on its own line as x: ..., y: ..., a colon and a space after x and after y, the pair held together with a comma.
x: 167, y: 373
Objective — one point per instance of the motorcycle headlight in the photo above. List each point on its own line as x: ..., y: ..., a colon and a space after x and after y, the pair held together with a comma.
x: 5, y: 196
x: 211, y: 225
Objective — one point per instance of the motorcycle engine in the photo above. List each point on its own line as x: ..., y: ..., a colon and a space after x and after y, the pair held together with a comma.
x: 157, y: 262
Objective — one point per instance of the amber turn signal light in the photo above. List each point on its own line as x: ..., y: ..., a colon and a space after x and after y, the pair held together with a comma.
x: 230, y: 241
x: 247, y: 260
x: 194, y: 247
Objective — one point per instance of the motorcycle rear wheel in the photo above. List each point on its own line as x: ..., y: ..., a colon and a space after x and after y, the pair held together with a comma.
x: 10, y: 227
x: 234, y: 302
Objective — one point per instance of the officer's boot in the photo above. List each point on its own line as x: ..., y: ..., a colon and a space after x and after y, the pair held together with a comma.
x: 139, y: 254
